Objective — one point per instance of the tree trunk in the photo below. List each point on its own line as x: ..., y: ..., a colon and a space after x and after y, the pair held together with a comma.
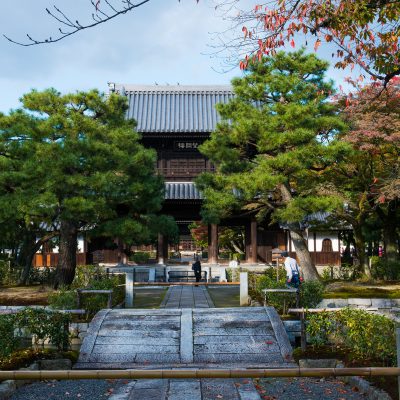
x: 308, y: 268
x: 31, y: 247
x: 390, y: 237
x: 65, y: 272
x: 25, y: 256
x: 359, y: 242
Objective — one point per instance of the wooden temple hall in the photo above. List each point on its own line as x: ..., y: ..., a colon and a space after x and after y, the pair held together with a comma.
x: 175, y: 120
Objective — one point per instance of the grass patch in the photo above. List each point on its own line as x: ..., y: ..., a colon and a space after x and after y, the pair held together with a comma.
x: 25, y: 295
x: 345, y: 290
x: 228, y: 296
x: 148, y: 297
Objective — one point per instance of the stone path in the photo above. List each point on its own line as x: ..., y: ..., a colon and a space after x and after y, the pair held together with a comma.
x: 225, y: 337
x: 183, y: 389
x: 187, y: 297
x: 186, y: 332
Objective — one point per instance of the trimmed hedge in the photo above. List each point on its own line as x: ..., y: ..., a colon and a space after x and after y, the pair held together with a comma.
x: 368, y: 336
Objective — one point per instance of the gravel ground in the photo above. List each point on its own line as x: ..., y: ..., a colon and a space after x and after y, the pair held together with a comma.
x: 269, y: 389
x: 306, y: 389
x: 84, y: 389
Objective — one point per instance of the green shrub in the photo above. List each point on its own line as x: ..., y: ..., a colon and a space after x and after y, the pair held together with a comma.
x: 326, y: 275
x: 269, y: 280
x: 42, y: 275
x: 86, y: 274
x: 8, y: 275
x: 8, y: 341
x: 311, y: 293
x: 368, y: 336
x: 348, y: 272
x: 140, y: 257
x: 38, y: 322
x: 63, y: 299
x: 382, y: 269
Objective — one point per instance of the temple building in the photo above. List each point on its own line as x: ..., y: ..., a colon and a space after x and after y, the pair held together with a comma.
x: 175, y: 120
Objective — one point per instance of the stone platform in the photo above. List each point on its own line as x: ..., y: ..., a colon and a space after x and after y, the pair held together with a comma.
x: 177, y: 338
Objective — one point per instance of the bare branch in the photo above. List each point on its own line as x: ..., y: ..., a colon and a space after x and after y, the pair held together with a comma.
x: 76, y: 26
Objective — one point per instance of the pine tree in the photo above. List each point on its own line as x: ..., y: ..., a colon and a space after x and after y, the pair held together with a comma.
x: 79, y: 165
x: 275, y: 139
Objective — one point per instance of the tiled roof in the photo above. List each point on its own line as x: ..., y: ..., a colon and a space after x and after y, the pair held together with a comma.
x: 174, y: 108
x: 181, y: 191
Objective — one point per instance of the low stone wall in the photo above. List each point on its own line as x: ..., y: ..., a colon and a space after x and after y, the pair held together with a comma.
x: 389, y: 307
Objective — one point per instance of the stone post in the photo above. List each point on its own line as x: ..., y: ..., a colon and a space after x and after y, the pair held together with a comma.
x: 129, y: 295
x: 152, y: 274
x: 244, y: 289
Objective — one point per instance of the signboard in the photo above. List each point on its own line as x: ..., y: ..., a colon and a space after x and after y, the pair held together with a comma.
x: 186, y: 145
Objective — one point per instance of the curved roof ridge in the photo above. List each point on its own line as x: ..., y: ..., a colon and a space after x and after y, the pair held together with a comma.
x: 131, y: 88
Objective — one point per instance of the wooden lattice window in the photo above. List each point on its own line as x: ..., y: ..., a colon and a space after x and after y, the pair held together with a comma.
x: 327, y: 245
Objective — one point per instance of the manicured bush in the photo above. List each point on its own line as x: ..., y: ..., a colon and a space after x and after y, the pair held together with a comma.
x: 311, y: 293
x: 38, y: 322
x: 140, y: 257
x: 8, y: 341
x: 63, y: 299
x: 8, y: 275
x: 382, y: 269
x: 368, y: 336
x: 269, y: 280
x: 93, y: 278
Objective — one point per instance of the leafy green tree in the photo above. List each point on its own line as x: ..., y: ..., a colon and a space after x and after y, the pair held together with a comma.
x: 80, y: 166
x: 274, y: 141
x: 367, y: 178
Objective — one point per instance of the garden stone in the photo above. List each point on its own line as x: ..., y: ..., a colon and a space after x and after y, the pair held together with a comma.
x: 32, y: 367
x: 360, y: 302
x: 53, y: 365
x: 7, y: 388
x: 381, y: 303
x: 333, y: 303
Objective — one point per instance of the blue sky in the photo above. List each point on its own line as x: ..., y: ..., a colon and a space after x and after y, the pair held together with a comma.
x: 164, y: 41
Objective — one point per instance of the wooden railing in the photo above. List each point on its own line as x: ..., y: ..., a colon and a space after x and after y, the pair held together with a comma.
x: 175, y: 173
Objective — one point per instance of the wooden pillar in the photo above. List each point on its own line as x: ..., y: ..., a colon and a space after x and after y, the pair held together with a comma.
x: 213, y: 244
x: 253, y: 230
x: 161, y: 249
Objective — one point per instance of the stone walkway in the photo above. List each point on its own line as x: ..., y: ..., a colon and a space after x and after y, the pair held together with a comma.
x: 187, y: 297
x: 183, y: 389
x: 187, y: 337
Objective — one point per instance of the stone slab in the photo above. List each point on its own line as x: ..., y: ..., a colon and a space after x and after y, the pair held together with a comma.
x: 186, y: 336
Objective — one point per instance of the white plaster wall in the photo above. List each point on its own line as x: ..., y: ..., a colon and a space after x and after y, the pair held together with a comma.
x: 320, y: 236
x: 81, y: 246
x: 333, y: 236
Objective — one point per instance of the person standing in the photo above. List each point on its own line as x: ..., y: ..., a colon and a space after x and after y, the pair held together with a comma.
x: 292, y: 270
x: 196, y: 267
